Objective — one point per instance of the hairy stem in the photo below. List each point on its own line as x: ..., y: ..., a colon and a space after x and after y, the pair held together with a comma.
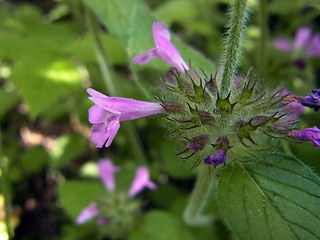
x: 112, y: 89
x: 199, y: 197
x: 229, y: 64
x: 263, y: 23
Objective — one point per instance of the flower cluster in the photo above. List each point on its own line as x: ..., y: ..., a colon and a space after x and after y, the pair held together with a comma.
x: 305, y: 44
x: 118, y: 209
x: 213, y: 128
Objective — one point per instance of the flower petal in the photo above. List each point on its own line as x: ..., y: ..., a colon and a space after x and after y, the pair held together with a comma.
x: 308, y: 134
x: 100, y: 132
x: 302, y: 38
x: 97, y: 114
x: 106, y: 172
x: 164, y: 49
x: 314, y: 46
x: 141, y: 181
x: 160, y: 31
x: 88, y: 213
x: 168, y: 52
x: 218, y: 158
x: 283, y: 44
x: 94, y: 93
x: 146, y: 57
x: 293, y: 110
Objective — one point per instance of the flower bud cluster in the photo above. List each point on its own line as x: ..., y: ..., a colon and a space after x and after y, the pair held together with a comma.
x: 212, y: 127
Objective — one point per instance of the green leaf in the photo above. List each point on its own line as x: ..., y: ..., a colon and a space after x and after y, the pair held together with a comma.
x: 34, y: 159
x: 67, y: 148
x: 133, y: 25
x: 41, y: 71
x: 277, y: 198
x: 115, y: 14
x: 159, y: 225
x: 7, y: 102
x: 76, y: 195
x: 168, y: 11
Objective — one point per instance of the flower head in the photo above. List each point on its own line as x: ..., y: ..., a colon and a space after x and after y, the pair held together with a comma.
x: 164, y: 49
x: 103, y: 209
x: 108, y: 112
x: 308, y: 134
x: 218, y: 158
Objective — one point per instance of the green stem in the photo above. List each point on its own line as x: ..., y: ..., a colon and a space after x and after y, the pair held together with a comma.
x: 236, y: 26
x: 5, y: 193
x: 263, y: 22
x: 199, y: 197
x: 101, y: 55
x: 112, y: 89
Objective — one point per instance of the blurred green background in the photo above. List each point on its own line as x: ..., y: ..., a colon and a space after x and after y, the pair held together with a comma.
x: 52, y: 50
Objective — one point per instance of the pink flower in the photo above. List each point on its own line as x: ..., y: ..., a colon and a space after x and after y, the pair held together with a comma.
x: 106, y: 172
x: 141, y: 181
x: 283, y: 44
x: 88, y: 213
x: 164, y: 49
x: 108, y: 112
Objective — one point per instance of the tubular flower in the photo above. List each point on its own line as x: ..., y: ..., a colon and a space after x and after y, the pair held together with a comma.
x: 141, y: 181
x: 311, y: 101
x: 308, y: 134
x: 218, y: 158
x: 164, y: 49
x: 108, y: 112
x: 88, y: 213
x: 106, y: 173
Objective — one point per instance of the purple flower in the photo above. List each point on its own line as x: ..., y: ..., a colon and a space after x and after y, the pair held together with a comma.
x: 293, y: 110
x: 218, y: 158
x: 303, y: 41
x: 311, y: 101
x: 108, y: 112
x: 164, y: 49
x: 308, y: 134
x: 141, y: 181
x: 314, y: 46
x: 106, y: 172
x: 303, y: 37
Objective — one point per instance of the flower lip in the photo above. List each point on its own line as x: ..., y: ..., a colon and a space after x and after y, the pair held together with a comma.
x: 164, y: 49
